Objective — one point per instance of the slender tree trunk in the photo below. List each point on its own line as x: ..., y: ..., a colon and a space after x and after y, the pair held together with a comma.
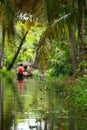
x: 73, y: 47
x: 86, y: 3
x: 2, y: 46
x: 1, y: 104
x: 80, y: 32
x: 61, y: 124
x: 16, y: 54
x: 71, y: 120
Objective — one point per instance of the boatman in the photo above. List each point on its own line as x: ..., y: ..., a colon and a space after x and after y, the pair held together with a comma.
x: 20, y: 71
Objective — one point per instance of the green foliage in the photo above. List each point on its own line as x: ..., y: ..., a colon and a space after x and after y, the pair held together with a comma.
x: 74, y: 92
x: 62, y: 69
x: 27, y: 51
x: 8, y: 58
x: 82, y: 65
x: 6, y: 74
x: 60, y: 62
x: 76, y: 96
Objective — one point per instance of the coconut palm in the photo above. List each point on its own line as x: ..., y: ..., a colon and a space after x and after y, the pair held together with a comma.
x: 75, y: 8
x: 80, y: 23
x: 10, y: 11
x: 48, y: 10
x: 7, y: 24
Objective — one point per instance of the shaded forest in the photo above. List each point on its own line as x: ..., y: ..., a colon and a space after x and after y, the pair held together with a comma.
x: 52, y: 36
x: 57, y: 30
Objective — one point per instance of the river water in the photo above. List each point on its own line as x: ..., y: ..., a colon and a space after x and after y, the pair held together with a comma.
x: 33, y: 104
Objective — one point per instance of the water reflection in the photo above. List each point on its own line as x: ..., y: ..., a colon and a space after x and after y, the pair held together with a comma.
x: 30, y: 105
x: 20, y: 84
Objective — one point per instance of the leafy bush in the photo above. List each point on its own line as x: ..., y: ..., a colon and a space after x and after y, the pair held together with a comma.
x: 62, y: 69
x: 76, y: 96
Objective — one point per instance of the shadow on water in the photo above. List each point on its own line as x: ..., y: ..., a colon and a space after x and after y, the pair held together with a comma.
x: 31, y: 104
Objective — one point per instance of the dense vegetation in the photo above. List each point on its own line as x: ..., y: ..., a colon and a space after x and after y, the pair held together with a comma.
x: 54, y: 41
x: 52, y: 35
x: 62, y: 45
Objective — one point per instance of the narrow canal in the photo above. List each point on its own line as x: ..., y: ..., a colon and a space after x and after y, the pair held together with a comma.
x: 33, y: 104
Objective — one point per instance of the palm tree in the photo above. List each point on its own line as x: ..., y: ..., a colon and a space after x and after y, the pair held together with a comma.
x: 51, y: 15
x: 1, y: 104
x: 27, y: 6
x: 76, y: 8
x: 47, y: 8
x: 80, y: 23
x: 72, y: 31
x: 16, y: 54
x: 2, y: 45
x: 6, y: 17
x: 9, y: 13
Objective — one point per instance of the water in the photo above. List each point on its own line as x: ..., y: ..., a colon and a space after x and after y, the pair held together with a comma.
x: 34, y: 105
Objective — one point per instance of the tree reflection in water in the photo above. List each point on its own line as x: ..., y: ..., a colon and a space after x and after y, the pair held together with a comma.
x: 36, y: 108
x: 20, y: 85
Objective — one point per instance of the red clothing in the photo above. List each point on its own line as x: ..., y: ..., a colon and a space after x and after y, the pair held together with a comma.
x: 20, y: 69
x: 20, y: 84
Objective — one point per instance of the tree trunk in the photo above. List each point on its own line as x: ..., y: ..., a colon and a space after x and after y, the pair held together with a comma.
x: 1, y: 104
x: 80, y: 33
x: 2, y: 46
x: 73, y: 47
x: 16, y: 54
x: 72, y: 120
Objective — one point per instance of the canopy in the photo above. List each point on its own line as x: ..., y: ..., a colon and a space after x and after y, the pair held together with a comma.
x: 24, y: 63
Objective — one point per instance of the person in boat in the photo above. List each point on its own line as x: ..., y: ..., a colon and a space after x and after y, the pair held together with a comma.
x: 27, y: 71
x: 20, y: 71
